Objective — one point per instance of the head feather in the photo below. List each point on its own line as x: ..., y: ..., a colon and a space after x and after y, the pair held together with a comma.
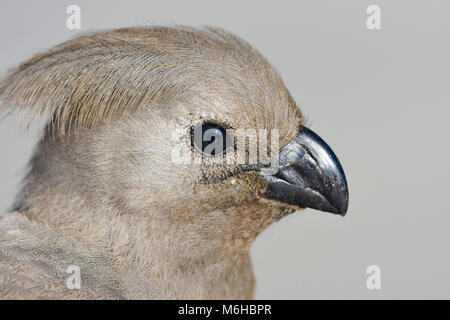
x: 96, y: 76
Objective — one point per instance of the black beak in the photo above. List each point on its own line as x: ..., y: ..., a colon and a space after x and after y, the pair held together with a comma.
x: 309, y: 175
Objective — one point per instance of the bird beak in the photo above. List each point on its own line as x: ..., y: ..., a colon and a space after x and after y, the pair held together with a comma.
x: 309, y: 175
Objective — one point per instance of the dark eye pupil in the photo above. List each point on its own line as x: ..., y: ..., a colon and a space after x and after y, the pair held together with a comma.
x: 210, y: 138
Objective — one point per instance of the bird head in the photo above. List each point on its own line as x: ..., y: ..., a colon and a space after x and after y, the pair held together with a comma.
x: 192, y: 127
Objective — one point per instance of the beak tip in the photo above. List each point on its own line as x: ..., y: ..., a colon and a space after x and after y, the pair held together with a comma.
x: 336, y: 207
x: 341, y: 211
x: 340, y: 202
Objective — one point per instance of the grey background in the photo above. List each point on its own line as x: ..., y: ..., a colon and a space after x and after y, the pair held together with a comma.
x: 379, y: 98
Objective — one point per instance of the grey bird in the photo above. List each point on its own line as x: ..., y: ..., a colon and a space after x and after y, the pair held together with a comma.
x: 105, y: 193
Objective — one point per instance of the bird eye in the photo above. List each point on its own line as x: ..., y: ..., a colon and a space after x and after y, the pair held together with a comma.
x: 209, y: 138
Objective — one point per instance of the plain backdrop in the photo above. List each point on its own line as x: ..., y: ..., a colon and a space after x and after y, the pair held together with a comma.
x: 380, y: 98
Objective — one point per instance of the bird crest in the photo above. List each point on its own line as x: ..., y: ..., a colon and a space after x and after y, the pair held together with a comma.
x: 100, y: 75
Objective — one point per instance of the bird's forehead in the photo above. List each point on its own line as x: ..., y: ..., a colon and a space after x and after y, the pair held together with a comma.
x: 249, y: 101
x: 238, y: 113
x: 239, y: 81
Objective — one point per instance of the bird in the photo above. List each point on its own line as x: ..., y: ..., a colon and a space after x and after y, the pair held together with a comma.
x: 121, y: 188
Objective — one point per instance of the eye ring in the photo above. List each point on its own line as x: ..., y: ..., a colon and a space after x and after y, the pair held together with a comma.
x: 210, y: 138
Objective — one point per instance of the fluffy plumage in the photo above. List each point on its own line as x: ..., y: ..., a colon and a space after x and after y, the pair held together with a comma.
x: 102, y: 191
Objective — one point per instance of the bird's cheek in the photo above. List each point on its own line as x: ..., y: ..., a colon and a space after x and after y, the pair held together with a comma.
x: 230, y: 192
